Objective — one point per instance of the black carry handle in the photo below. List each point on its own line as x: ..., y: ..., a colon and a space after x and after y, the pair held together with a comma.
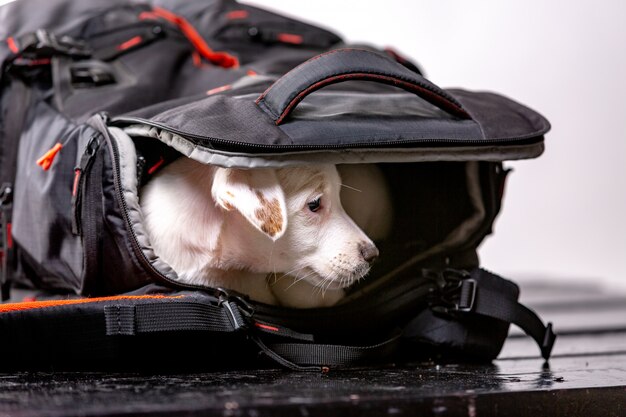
x: 345, y: 65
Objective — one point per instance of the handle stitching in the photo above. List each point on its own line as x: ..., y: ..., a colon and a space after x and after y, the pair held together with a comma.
x: 278, y: 118
x: 262, y: 96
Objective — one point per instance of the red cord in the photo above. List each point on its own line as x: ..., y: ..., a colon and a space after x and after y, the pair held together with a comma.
x: 222, y: 59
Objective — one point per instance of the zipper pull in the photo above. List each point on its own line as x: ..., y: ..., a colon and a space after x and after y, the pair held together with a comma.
x: 79, y: 182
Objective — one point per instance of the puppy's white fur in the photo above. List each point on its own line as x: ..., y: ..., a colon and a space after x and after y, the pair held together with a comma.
x: 254, y: 231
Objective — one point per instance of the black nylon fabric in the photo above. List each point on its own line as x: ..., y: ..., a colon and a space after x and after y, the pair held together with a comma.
x: 42, y: 200
x: 74, y: 336
x: 500, y: 117
x: 223, y: 118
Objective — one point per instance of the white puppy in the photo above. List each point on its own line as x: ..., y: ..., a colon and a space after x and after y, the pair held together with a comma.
x: 280, y: 236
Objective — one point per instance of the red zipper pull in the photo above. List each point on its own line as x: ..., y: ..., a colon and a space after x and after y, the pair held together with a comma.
x: 45, y: 162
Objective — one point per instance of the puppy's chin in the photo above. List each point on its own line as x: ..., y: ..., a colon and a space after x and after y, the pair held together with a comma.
x: 337, y: 278
x: 292, y: 292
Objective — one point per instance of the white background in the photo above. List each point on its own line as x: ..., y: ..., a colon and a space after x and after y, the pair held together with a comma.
x: 564, y: 214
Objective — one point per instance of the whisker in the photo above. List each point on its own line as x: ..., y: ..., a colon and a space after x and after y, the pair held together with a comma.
x: 288, y: 273
x: 300, y: 279
x: 351, y: 188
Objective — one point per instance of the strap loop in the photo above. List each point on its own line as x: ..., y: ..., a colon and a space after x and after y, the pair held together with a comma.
x: 42, y: 43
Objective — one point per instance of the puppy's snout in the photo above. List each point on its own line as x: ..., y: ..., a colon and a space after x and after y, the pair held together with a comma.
x: 368, y: 251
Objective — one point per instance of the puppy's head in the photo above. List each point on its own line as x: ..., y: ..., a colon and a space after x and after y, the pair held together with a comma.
x: 301, y: 226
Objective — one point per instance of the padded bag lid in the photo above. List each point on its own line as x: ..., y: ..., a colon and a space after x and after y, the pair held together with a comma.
x: 261, y: 122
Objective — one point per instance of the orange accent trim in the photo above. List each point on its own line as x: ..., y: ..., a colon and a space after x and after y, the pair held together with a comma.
x: 266, y: 327
x: 290, y: 38
x: 129, y: 43
x: 237, y: 14
x: 219, y: 89
x: 251, y: 73
x: 30, y: 305
x: 156, y: 166
x: 222, y: 59
x: 77, y: 173
x: 197, y: 61
x: 12, y: 45
x: 32, y: 62
x: 47, y: 159
x: 147, y: 16
x: 9, y: 236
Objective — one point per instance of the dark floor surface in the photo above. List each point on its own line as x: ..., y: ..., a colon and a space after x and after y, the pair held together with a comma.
x: 585, y: 377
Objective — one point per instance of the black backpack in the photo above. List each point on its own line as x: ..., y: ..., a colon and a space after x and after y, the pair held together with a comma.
x: 95, y: 99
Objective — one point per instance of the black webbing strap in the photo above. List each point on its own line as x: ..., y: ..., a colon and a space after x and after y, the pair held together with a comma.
x: 322, y: 357
x: 130, y: 320
x: 489, y: 303
x: 227, y: 317
x: 467, y: 293
x: 335, y: 355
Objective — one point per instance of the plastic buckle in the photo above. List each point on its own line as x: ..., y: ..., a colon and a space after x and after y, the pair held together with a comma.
x: 83, y: 77
x: 232, y: 303
x: 454, y: 291
x: 44, y: 43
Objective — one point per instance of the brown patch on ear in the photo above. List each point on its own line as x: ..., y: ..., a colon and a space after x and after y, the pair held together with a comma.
x: 269, y: 214
x: 227, y: 205
x: 228, y: 193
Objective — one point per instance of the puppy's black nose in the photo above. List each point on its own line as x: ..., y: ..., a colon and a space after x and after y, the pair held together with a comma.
x: 368, y: 251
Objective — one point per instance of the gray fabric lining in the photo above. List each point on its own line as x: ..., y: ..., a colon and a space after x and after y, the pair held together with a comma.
x: 339, y: 156
x: 128, y: 177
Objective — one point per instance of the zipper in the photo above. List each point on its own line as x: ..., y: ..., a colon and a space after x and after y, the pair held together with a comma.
x: 6, y: 244
x: 231, y: 295
x: 237, y: 145
x: 79, y: 182
x: 124, y: 207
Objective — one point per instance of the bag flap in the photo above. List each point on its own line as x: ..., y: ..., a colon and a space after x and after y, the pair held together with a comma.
x: 373, y: 122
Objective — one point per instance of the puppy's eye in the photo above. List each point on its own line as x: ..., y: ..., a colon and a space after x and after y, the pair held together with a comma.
x: 315, y: 205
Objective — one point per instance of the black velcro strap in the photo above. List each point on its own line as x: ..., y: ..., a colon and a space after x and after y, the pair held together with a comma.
x: 172, y: 317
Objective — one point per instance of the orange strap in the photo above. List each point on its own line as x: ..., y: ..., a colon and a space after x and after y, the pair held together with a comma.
x: 222, y: 59
x: 30, y: 305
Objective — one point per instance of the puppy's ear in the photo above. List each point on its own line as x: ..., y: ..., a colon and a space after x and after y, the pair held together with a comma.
x: 256, y: 194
